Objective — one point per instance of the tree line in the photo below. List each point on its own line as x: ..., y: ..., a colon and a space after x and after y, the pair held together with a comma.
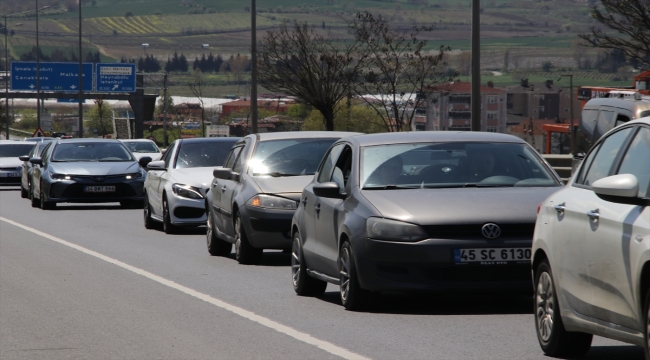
x: 179, y: 63
x: 59, y: 55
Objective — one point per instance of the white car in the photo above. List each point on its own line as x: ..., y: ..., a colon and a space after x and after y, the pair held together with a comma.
x: 143, y: 147
x: 176, y: 185
x: 591, y: 249
x: 10, y: 165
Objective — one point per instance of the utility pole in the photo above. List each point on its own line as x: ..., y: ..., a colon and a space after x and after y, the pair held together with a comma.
x: 573, y: 133
x: 165, y: 110
x: 81, y: 81
x: 254, y: 66
x: 38, y: 74
x: 476, y: 65
x: 6, y: 80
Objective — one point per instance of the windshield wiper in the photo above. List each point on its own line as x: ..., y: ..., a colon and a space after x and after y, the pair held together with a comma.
x: 389, y: 187
x: 466, y: 185
x: 281, y: 174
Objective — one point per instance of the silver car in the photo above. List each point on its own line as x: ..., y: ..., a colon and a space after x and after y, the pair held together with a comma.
x: 423, y: 211
x: 10, y: 164
x: 591, y: 249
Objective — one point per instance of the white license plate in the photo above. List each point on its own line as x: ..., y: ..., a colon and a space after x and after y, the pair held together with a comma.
x: 491, y: 255
x: 99, y: 189
x: 13, y: 175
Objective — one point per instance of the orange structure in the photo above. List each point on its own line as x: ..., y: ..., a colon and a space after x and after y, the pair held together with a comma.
x: 553, y: 128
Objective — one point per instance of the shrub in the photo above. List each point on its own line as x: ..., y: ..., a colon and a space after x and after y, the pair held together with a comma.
x: 128, y: 14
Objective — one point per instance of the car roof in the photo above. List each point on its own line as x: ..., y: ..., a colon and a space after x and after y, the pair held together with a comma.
x: 85, y: 140
x: 302, y: 135
x: 5, y: 142
x: 432, y: 136
x: 138, y: 140
x: 644, y: 120
x: 215, y: 139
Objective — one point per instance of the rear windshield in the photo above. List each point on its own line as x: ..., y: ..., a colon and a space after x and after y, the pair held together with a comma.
x: 291, y: 157
x: 203, y: 154
x: 15, y: 150
x: 91, y: 151
x: 141, y: 146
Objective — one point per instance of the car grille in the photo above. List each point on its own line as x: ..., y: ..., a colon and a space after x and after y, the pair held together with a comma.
x: 10, y: 180
x: 13, y: 168
x: 77, y: 191
x: 185, y: 212
x: 468, y: 273
x: 473, y: 231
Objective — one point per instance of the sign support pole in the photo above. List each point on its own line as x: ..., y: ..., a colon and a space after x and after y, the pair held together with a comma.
x: 38, y: 74
x: 476, y: 65
x: 165, y: 110
x: 81, y: 81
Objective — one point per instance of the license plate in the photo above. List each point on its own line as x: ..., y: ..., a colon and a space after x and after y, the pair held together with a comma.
x: 99, y: 189
x: 13, y: 175
x: 491, y: 256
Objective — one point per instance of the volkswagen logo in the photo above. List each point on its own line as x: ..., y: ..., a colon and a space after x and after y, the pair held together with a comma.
x: 98, y: 178
x: 491, y: 231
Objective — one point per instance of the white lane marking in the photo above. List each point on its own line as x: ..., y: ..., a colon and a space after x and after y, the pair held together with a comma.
x: 306, y: 338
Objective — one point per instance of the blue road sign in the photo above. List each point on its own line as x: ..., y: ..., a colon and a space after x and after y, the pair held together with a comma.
x: 54, y: 76
x: 76, y: 101
x: 115, y: 77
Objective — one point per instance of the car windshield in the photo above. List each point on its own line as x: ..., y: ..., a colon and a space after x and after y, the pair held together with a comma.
x: 203, y: 154
x: 454, y: 164
x: 15, y: 150
x: 142, y: 146
x: 292, y: 157
x: 42, y: 147
x: 91, y: 151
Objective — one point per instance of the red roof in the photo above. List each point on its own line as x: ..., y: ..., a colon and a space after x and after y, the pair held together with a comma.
x: 463, y: 87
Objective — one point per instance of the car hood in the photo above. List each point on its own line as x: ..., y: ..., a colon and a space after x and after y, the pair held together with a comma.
x: 460, y: 206
x: 153, y: 156
x: 95, y: 168
x: 10, y: 162
x: 283, y: 185
x: 200, y: 177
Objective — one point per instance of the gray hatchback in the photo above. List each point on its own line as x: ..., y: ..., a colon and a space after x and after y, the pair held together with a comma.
x: 426, y: 211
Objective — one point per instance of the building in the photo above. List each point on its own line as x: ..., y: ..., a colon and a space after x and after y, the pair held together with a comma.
x: 449, y: 108
x: 541, y: 101
x: 278, y: 106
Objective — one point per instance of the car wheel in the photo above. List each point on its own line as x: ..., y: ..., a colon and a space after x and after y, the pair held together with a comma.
x: 553, y: 338
x: 168, y: 227
x: 35, y: 202
x: 353, y: 296
x: 245, y: 253
x: 216, y: 246
x: 24, y: 193
x: 46, y: 205
x: 148, y: 220
x: 646, y: 321
x: 303, y: 284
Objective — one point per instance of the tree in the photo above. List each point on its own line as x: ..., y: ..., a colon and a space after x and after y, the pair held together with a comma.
x: 99, y: 117
x: 315, y: 68
x: 396, y: 69
x: 196, y: 87
x: 357, y: 117
x: 630, y: 19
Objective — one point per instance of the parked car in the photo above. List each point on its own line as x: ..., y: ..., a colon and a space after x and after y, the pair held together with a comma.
x: 86, y: 171
x: 421, y: 211
x: 27, y: 167
x: 591, y: 249
x: 10, y: 164
x: 143, y: 147
x: 254, y: 195
x: 177, y: 184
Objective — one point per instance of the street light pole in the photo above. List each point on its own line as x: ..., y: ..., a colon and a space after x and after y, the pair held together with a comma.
x: 165, y: 110
x: 6, y: 79
x: 476, y: 65
x: 38, y: 75
x: 81, y: 82
x: 573, y: 133
x: 254, y: 67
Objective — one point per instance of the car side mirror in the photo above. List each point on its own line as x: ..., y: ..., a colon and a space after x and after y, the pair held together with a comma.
x: 144, y: 161
x: 623, y: 189
x: 225, y: 174
x: 36, y: 161
x: 156, y: 165
x: 330, y: 190
x: 24, y: 158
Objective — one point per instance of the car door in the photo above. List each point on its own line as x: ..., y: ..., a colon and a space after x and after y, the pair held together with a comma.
x: 223, y: 192
x: 331, y: 211
x: 39, y: 169
x: 154, y: 190
x: 311, y: 211
x: 614, y: 236
x: 24, y: 174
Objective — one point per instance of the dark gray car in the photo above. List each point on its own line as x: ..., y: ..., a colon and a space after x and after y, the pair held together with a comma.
x: 28, y: 168
x: 253, y: 197
x: 426, y: 211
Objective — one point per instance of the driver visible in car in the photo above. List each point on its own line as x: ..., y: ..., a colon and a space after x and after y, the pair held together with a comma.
x: 388, y: 173
x: 481, y: 166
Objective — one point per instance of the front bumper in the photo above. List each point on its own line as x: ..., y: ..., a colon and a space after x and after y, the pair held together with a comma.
x: 10, y: 177
x: 73, y: 191
x: 267, y: 228
x: 186, y: 212
x: 429, y: 266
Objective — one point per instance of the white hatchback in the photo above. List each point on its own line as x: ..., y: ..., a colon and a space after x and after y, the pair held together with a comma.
x: 591, y: 249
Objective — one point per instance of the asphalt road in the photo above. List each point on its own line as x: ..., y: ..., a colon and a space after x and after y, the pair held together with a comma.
x: 89, y: 281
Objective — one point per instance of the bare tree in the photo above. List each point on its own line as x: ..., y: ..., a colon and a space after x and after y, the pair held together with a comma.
x: 99, y: 115
x: 315, y: 68
x: 196, y: 87
x: 629, y: 18
x: 397, y: 69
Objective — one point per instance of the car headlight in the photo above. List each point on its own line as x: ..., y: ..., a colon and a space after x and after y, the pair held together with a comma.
x: 272, y: 202
x: 133, y: 176
x: 384, y: 229
x: 60, y: 177
x: 187, y: 191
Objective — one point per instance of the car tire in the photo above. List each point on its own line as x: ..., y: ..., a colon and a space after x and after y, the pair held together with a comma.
x: 168, y: 227
x: 46, y: 205
x: 303, y: 284
x: 149, y: 222
x: 36, y: 203
x: 646, y: 321
x: 553, y: 338
x: 216, y: 246
x: 353, y: 297
x: 24, y: 193
x: 245, y: 253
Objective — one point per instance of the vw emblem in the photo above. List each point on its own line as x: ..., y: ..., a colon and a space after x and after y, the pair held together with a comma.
x: 491, y: 231
x: 446, y: 169
x: 98, y: 178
